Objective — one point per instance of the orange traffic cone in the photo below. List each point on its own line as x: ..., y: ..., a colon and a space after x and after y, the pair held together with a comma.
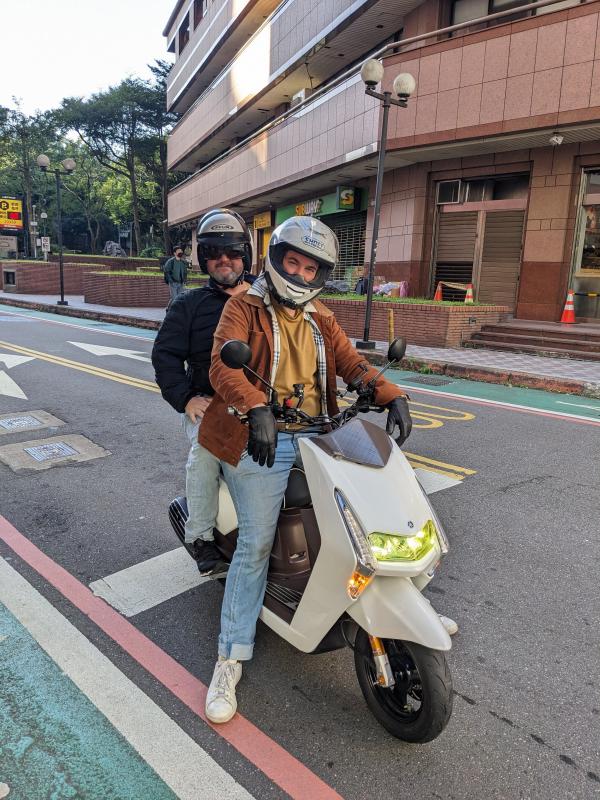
x: 469, y: 294
x: 568, y: 314
x: 438, y: 292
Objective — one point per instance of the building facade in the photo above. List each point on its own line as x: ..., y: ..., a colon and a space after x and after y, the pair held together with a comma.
x: 492, y: 171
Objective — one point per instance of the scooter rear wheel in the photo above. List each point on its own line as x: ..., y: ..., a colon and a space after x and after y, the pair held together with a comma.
x: 418, y: 707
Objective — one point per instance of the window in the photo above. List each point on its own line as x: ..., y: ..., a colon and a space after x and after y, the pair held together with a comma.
x: 171, y: 47
x: 184, y: 33
x: 448, y: 192
x: 198, y: 12
x: 466, y: 10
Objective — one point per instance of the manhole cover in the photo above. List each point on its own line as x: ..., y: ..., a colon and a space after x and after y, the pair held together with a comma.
x: 14, y: 423
x: 47, y: 451
x: 432, y: 380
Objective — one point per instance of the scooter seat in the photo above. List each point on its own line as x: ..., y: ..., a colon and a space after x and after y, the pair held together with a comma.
x: 297, y: 494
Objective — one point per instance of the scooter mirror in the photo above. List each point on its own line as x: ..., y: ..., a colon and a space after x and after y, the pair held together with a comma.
x: 397, y: 349
x: 235, y: 354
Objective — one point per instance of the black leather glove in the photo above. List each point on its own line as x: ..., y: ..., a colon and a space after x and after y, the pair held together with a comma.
x: 262, y: 435
x: 399, y: 415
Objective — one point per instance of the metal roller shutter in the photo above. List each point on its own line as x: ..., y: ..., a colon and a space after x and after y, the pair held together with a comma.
x: 350, y: 230
x: 501, y: 257
x: 455, y: 250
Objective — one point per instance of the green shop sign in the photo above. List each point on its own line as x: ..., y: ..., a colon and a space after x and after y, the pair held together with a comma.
x: 345, y: 198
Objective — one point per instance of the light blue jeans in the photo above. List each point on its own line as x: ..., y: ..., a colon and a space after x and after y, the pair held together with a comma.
x: 257, y: 493
x: 201, y: 486
x: 175, y: 289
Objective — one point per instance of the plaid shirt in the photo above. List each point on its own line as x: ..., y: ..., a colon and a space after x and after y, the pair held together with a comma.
x: 260, y: 289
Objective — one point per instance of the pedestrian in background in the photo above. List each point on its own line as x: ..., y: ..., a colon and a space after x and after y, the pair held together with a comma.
x: 176, y: 274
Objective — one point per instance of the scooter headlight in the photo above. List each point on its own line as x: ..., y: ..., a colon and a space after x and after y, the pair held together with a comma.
x: 404, y: 547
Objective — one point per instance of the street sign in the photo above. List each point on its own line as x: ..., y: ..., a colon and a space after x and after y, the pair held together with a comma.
x: 11, y: 213
x: 45, y: 244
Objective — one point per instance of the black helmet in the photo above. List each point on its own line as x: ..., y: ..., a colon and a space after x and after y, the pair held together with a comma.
x: 223, y: 228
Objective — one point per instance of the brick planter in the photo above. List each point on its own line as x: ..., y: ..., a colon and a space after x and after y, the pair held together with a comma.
x: 429, y: 325
x: 128, y: 291
x: 39, y: 277
x: 107, y: 262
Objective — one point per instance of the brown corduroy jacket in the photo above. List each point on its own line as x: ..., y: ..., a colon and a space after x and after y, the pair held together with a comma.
x: 247, y: 318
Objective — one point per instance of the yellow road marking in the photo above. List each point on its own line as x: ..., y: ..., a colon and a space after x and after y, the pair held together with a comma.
x: 138, y: 383
x: 431, y: 463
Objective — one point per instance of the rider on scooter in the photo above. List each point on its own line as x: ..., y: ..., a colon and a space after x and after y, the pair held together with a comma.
x: 181, y: 360
x: 294, y: 339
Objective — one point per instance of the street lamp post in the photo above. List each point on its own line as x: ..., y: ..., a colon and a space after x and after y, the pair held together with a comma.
x: 403, y: 86
x: 68, y: 165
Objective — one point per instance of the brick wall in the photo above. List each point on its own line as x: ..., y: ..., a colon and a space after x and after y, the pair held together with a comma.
x: 43, y: 278
x: 125, y: 290
x: 421, y: 324
x: 107, y: 262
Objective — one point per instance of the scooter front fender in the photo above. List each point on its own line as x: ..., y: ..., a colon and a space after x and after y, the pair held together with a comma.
x: 393, y: 608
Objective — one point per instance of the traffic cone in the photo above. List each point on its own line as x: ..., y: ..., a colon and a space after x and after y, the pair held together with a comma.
x: 568, y: 315
x: 438, y: 292
x: 469, y: 294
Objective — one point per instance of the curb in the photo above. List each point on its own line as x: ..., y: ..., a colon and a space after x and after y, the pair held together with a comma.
x: 484, y: 374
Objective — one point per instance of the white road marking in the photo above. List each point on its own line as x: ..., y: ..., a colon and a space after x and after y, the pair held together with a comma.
x: 434, y: 481
x: 181, y: 763
x: 578, y: 405
x: 11, y: 360
x: 501, y: 404
x: 149, y: 583
x: 9, y: 388
x: 102, y: 350
x: 82, y: 327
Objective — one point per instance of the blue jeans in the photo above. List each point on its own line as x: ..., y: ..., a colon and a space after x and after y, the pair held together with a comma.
x: 201, y: 486
x: 257, y: 493
x: 175, y: 289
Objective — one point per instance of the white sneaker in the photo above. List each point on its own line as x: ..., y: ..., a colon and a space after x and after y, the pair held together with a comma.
x: 449, y: 624
x: 221, y: 703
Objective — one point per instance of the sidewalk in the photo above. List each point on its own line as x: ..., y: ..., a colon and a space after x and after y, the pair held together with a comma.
x: 573, y: 376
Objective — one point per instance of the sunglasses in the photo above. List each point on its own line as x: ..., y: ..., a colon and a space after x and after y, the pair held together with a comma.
x: 214, y: 253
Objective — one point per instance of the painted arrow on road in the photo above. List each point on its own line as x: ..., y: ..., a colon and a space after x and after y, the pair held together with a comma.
x: 8, y: 387
x: 101, y: 350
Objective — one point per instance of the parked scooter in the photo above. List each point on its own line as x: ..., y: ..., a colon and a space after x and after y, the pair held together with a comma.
x: 357, y: 541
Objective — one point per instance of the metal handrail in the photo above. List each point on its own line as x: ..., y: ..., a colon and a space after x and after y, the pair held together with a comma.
x: 379, y: 53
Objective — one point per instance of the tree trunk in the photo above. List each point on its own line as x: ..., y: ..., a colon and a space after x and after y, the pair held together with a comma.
x: 135, y: 206
x: 164, y: 190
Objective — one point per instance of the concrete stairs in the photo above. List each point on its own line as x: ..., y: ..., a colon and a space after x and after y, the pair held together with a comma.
x: 540, y: 338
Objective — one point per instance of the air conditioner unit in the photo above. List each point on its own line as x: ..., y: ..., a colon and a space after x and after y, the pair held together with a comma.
x: 300, y: 96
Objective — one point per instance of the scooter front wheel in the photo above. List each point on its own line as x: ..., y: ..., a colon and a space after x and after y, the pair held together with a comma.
x: 419, y: 704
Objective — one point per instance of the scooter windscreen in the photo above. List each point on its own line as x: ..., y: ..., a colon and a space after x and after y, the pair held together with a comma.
x: 358, y: 441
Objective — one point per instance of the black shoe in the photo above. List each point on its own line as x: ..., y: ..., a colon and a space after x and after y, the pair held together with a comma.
x: 208, y: 558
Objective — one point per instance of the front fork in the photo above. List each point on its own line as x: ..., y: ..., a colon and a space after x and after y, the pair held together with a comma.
x: 385, y: 676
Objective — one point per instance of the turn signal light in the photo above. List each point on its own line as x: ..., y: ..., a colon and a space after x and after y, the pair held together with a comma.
x: 358, y: 583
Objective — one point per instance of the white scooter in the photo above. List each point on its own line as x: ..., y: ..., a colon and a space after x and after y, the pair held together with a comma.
x: 356, y: 543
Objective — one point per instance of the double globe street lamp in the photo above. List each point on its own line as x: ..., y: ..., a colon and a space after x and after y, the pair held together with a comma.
x: 68, y: 165
x: 403, y: 86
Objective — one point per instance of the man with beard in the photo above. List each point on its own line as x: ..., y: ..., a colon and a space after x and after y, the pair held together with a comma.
x: 224, y: 247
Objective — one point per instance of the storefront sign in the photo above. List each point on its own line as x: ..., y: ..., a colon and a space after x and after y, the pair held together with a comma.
x: 11, y: 213
x: 8, y: 244
x: 263, y: 220
x: 346, y: 197
x: 309, y: 207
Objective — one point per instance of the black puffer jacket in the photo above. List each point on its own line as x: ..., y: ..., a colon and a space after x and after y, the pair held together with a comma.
x: 181, y: 352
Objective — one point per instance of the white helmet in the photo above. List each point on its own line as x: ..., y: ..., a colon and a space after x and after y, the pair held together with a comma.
x: 222, y: 228
x: 311, y: 238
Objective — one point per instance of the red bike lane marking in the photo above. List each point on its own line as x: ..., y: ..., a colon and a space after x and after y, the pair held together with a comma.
x: 274, y: 761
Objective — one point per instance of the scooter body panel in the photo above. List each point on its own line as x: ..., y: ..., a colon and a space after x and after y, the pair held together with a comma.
x: 393, y: 608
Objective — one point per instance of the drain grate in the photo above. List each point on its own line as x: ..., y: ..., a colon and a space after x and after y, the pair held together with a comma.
x: 16, y: 423
x: 432, y: 380
x: 47, y: 451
